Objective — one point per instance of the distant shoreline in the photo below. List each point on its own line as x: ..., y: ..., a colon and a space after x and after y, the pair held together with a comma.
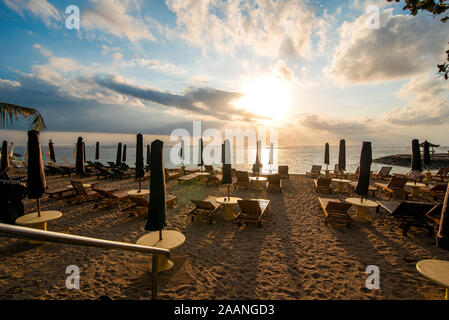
x: 438, y: 160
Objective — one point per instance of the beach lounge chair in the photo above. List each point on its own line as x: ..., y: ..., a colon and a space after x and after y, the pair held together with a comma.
x: 337, y: 173
x: 242, y: 180
x: 436, y: 191
x: 112, y: 164
x: 283, y: 172
x: 434, y: 214
x: 172, y: 174
x: 205, y: 209
x: 210, y: 169
x: 323, y: 185
x: 252, y: 211
x: 315, y: 172
x: 52, y: 171
x: 354, y: 175
x: 383, y: 173
x: 213, y: 179
x: 142, y: 204
x: 58, y: 192
x: 408, y: 213
x: 395, y: 187
x: 274, y: 183
x: 442, y: 173
x: 333, y: 209
x: 81, y: 194
x: 370, y: 188
x: 111, y: 196
x: 66, y: 171
x: 187, y: 178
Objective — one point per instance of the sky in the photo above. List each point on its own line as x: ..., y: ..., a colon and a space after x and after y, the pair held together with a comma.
x: 318, y: 71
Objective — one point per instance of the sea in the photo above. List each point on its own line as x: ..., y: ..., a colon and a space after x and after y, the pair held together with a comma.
x: 299, y: 159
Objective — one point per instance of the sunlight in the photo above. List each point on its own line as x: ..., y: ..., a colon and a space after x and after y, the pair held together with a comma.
x: 265, y: 96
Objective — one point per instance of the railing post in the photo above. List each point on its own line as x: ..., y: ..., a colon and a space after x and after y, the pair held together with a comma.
x: 154, y: 271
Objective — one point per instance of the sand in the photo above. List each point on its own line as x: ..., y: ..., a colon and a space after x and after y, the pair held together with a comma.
x: 294, y: 255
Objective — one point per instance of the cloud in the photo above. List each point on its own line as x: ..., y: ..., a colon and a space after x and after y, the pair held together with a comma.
x: 39, y: 8
x: 403, y: 46
x: 338, y: 126
x: 116, y: 17
x: 153, y: 64
x: 274, y: 29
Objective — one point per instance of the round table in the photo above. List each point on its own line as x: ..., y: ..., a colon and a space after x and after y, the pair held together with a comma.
x: 341, y: 184
x: 259, y: 181
x: 415, y: 188
x: 32, y: 220
x: 436, y: 271
x: 85, y: 185
x: 361, y: 208
x: 171, y: 239
x: 202, y: 176
x: 136, y: 193
x: 228, y: 204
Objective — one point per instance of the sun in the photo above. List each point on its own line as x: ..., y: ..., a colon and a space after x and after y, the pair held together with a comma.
x: 265, y: 96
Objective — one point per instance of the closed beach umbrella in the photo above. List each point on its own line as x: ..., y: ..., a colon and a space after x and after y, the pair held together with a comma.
x: 364, y: 170
x: 427, y: 154
x: 84, y: 152
x: 416, y: 156
x: 342, y: 155
x: 443, y: 230
x: 140, y: 172
x: 51, y: 149
x: 36, y: 177
x: 156, y: 210
x: 148, y: 155
x: 97, y: 151
x: 11, y: 150
x: 118, y: 159
x: 256, y: 166
x: 200, y: 154
x: 227, y: 170
x: 271, y: 157
x: 326, y: 155
x: 223, y: 154
x: 5, y: 158
x: 79, y: 163
x: 124, y: 153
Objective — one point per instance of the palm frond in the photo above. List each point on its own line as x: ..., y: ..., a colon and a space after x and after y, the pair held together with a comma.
x: 11, y: 112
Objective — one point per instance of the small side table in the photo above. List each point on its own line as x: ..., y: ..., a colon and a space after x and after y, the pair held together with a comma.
x: 202, y: 176
x: 361, y: 208
x: 258, y: 181
x: 436, y: 271
x: 415, y: 188
x: 228, y: 204
x: 32, y: 220
x: 341, y: 184
x: 136, y: 193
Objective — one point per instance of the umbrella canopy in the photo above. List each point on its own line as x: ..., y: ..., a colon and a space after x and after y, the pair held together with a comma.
x: 97, y: 151
x: 79, y: 163
x: 256, y: 166
x: 443, y: 230
x: 416, y: 156
x: 200, y: 153
x: 156, y: 210
x: 118, y: 159
x: 36, y: 176
x: 427, y: 160
x: 11, y: 150
x: 5, y: 158
x: 223, y: 154
x: 140, y: 172
x: 124, y: 153
x: 366, y: 159
x: 271, y: 157
x: 227, y: 170
x: 51, y: 149
x: 148, y: 155
x: 84, y: 152
x: 326, y: 154
x: 342, y: 155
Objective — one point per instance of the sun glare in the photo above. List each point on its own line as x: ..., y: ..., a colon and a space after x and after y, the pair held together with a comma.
x: 265, y: 96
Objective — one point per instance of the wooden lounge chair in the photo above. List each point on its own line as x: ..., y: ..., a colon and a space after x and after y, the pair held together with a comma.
x: 172, y: 174
x: 187, y: 178
x: 434, y: 214
x: 66, y: 170
x: 283, y: 172
x: 274, y: 183
x: 323, y: 185
x: 395, y: 187
x: 52, y: 171
x: 58, y: 192
x: 436, y: 191
x: 81, y: 193
x: 370, y: 188
x: 338, y: 173
x: 210, y: 169
x: 354, y: 175
x: 204, y: 209
x: 408, y: 213
x: 333, y: 209
x: 252, y: 211
x: 111, y: 196
x: 442, y: 173
x: 315, y: 172
x: 383, y: 173
x: 242, y: 180
x: 213, y: 179
x: 142, y: 204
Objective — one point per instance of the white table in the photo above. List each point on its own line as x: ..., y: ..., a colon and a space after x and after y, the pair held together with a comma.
x: 259, y: 181
x: 32, y: 220
x: 415, y: 187
x: 361, y: 208
x: 202, y: 176
x: 436, y: 271
x: 85, y: 185
x: 341, y: 184
x: 171, y: 239
x: 228, y: 204
x: 136, y: 193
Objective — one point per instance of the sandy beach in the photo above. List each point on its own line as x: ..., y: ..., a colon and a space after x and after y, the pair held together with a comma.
x: 294, y: 255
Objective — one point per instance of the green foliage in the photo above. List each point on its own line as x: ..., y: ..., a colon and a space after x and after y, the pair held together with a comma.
x: 11, y: 112
x: 436, y: 7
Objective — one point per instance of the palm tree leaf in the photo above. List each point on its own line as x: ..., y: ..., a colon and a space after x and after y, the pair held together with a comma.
x: 11, y: 112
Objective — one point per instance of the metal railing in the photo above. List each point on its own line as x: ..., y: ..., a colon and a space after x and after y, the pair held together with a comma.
x: 49, y: 236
